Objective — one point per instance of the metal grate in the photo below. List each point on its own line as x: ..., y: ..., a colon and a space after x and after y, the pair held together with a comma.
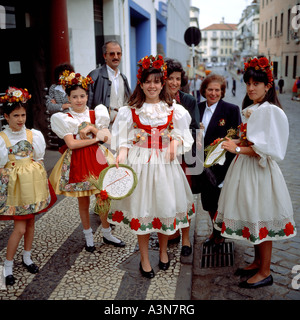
x: 220, y: 256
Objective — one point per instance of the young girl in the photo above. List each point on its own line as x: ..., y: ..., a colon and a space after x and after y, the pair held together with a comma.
x: 255, y: 204
x: 24, y: 185
x: 147, y: 135
x: 81, y: 130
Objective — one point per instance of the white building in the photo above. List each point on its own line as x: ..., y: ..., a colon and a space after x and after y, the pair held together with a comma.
x: 248, y: 34
x: 218, y: 42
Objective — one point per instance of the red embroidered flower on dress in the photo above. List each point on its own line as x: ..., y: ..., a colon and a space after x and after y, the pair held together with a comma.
x: 118, y: 216
x: 156, y: 223
x: 289, y: 229
x: 246, y: 233
x: 223, y: 227
x: 263, y: 232
x: 135, y: 224
x: 174, y: 223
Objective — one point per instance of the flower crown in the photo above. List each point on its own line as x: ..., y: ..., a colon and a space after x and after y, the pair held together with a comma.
x: 262, y: 64
x: 68, y: 79
x: 14, y: 94
x: 156, y: 62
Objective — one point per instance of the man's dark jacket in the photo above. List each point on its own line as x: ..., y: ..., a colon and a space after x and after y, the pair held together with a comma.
x: 99, y: 91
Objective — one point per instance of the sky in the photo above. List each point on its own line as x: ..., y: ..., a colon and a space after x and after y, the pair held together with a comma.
x: 212, y: 11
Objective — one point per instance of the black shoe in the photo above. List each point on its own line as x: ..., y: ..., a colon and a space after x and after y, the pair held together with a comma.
x: 90, y: 248
x: 120, y: 244
x: 32, y: 268
x: 147, y: 274
x: 243, y: 272
x: 268, y: 281
x: 164, y: 266
x: 186, y: 251
x: 10, y: 280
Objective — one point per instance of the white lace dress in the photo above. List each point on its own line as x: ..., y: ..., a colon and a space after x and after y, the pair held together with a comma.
x: 255, y: 204
x: 162, y: 201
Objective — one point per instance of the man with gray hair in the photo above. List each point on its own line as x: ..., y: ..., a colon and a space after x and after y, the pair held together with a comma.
x: 110, y: 86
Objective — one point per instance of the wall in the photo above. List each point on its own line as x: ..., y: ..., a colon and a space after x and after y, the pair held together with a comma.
x: 81, y: 35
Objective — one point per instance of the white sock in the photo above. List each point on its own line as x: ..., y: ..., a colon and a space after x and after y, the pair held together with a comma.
x: 26, y: 257
x: 89, y: 237
x: 107, y: 235
x: 8, y: 265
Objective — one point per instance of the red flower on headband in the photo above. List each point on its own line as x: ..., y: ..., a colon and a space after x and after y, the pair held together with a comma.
x: 263, y: 62
x: 157, y: 64
x: 253, y: 63
x: 146, y: 63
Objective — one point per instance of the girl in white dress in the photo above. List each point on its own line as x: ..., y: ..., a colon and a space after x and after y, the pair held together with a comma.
x: 255, y: 204
x: 81, y: 129
x: 24, y: 188
x: 148, y: 134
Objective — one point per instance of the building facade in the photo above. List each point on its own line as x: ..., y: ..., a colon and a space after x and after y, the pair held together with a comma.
x: 37, y: 38
x: 218, y: 42
x: 280, y: 37
x: 248, y: 34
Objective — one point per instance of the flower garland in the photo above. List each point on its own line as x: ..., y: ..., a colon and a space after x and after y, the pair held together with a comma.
x: 68, y: 79
x: 262, y: 64
x: 148, y: 62
x: 14, y: 94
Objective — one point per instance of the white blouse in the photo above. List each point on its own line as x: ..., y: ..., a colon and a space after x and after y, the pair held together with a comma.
x: 38, y: 143
x: 268, y: 130
x: 64, y: 125
x: 153, y: 115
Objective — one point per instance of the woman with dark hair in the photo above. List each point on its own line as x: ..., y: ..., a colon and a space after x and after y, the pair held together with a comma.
x: 82, y: 129
x: 148, y: 134
x: 217, y: 117
x: 176, y: 79
x: 57, y: 99
x: 255, y: 204
x: 24, y: 188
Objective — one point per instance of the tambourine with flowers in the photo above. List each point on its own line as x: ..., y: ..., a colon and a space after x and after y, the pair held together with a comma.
x: 14, y: 95
x: 113, y: 183
x: 151, y: 61
x: 68, y: 79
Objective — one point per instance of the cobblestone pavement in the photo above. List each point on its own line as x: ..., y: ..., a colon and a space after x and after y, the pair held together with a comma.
x: 68, y: 272
x: 220, y: 283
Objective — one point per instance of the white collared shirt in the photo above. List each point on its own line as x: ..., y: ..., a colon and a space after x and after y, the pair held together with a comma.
x: 208, y: 112
x: 114, y: 78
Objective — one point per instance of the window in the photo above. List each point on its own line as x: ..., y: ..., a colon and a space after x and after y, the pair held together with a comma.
x: 270, y: 36
x: 262, y: 33
x: 275, y: 26
x: 286, y: 66
x: 281, y: 23
x: 266, y: 33
x: 295, y: 67
x: 288, y: 24
x: 7, y: 17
